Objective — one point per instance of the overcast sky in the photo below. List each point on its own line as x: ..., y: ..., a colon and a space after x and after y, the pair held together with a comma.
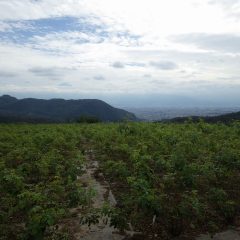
x: 122, y: 51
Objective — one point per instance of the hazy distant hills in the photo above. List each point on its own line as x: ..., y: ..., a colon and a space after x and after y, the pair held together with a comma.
x: 225, y: 118
x: 57, y: 110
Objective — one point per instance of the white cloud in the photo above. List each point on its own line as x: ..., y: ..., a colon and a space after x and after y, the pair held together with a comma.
x: 132, y: 41
x: 31, y: 10
x: 229, y: 43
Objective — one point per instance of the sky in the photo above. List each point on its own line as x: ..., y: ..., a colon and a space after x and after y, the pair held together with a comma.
x: 127, y: 52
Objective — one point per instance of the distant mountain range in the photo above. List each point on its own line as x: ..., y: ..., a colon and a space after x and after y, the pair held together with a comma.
x: 58, y: 110
x: 225, y: 118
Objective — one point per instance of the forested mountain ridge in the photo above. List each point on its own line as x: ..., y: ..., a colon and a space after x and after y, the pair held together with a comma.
x: 58, y: 110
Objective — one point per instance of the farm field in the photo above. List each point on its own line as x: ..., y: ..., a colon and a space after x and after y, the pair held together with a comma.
x: 169, y: 180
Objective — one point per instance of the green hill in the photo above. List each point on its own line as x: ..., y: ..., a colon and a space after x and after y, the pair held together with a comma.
x: 58, y: 110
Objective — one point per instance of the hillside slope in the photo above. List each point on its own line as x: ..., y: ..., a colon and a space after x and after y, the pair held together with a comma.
x: 57, y: 110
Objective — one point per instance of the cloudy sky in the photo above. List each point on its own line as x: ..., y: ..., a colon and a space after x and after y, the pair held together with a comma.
x: 128, y: 52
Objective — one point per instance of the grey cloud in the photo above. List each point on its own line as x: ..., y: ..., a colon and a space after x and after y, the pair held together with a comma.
x: 130, y: 64
x: 44, y: 72
x: 230, y: 78
x: 160, y: 82
x: 147, y: 75
x: 99, y: 77
x: 54, y: 73
x: 5, y: 74
x: 219, y: 42
x: 196, y: 82
x: 136, y: 64
x: 163, y: 65
x: 118, y: 65
x: 64, y: 84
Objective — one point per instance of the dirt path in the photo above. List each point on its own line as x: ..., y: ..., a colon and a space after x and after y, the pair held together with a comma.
x: 226, y: 235
x: 100, y: 231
